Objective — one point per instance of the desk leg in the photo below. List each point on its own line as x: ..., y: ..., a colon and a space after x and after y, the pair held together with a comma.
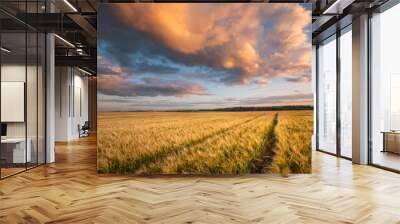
x: 384, y: 142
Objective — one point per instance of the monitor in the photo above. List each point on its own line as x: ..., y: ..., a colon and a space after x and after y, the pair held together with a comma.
x: 3, y: 129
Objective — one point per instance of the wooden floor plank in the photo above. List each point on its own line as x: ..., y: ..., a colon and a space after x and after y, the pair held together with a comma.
x: 71, y: 191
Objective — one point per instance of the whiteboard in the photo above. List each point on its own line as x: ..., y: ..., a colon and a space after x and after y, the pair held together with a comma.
x: 12, y: 101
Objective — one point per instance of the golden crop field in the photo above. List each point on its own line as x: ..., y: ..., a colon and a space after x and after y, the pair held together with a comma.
x: 204, y: 142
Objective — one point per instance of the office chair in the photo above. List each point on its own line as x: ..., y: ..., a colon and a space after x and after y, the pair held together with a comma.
x: 84, y: 130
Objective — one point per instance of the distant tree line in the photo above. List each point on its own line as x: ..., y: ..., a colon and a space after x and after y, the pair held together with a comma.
x: 270, y: 108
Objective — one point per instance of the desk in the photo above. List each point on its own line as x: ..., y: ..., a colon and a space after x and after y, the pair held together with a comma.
x: 391, y: 141
x: 13, y: 150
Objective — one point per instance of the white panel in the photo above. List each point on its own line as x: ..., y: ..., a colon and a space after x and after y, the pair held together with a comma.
x: 77, y: 113
x: 12, y: 101
x: 327, y: 97
x: 50, y: 93
x: 346, y: 94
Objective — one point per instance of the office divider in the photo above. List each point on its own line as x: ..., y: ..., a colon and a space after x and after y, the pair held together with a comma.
x: 22, y: 87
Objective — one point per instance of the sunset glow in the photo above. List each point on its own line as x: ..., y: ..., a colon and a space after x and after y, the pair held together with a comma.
x: 197, y: 56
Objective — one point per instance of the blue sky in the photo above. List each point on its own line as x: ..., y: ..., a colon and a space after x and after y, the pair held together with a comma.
x: 199, y: 56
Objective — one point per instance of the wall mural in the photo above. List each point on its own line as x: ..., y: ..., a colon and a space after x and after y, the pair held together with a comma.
x: 204, y: 88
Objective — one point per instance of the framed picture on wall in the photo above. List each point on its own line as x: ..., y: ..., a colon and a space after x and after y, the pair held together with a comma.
x: 204, y: 88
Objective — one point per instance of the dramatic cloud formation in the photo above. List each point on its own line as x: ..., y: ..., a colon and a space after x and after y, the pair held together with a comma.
x: 182, y: 49
x: 120, y: 86
x: 113, y: 81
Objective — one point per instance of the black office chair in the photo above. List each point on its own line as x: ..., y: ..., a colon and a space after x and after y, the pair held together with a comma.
x: 84, y: 130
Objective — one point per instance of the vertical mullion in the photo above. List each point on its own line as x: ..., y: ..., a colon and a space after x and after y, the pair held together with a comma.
x: 317, y: 96
x: 37, y: 90
x: 73, y: 93
x: 60, y: 88
x: 369, y: 89
x: 338, y: 73
x: 26, y: 86
x: 69, y: 93
x: 45, y: 87
x: 0, y: 93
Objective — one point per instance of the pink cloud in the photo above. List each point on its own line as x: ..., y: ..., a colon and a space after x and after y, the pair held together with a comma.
x: 229, y: 36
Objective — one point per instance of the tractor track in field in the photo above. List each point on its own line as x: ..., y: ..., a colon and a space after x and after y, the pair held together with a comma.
x: 263, y: 162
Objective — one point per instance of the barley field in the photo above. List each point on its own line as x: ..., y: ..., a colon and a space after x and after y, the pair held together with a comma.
x: 204, y: 142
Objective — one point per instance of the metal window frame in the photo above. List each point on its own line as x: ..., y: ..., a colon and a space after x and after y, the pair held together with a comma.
x: 387, y: 5
x: 340, y: 30
x: 381, y: 9
x: 44, y: 75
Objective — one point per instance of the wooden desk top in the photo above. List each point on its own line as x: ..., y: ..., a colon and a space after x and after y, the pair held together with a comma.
x: 391, y: 132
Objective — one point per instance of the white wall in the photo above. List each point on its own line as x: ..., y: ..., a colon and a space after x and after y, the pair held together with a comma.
x: 346, y: 94
x: 80, y: 109
x: 327, y: 96
x: 12, y: 73
x: 71, y: 94
x: 62, y: 82
x: 33, y: 127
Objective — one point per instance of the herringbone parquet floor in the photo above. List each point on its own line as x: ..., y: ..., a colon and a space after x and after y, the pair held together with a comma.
x: 70, y: 191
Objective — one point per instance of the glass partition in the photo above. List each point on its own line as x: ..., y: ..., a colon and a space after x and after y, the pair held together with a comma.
x: 346, y: 92
x: 41, y: 97
x: 22, y: 88
x: 327, y: 95
x: 14, y: 153
x: 385, y: 89
x: 31, y: 98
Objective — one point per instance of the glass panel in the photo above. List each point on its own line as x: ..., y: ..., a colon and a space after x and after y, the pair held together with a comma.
x: 77, y: 110
x: 13, y: 86
x: 32, y: 89
x: 385, y: 84
x: 23, y: 91
x: 31, y: 98
x: 346, y: 93
x: 327, y: 96
x: 41, y: 98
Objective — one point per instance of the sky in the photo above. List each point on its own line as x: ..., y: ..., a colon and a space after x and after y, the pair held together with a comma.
x: 179, y: 56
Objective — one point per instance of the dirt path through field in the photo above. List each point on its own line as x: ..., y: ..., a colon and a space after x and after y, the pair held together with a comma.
x: 262, y: 164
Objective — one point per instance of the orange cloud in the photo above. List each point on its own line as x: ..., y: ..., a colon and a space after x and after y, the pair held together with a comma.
x: 251, y: 41
x: 229, y: 36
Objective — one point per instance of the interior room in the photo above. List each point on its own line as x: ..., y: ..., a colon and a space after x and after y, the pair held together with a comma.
x: 71, y: 103
x: 58, y: 79
x: 385, y: 88
x: 22, y: 103
x: 25, y: 66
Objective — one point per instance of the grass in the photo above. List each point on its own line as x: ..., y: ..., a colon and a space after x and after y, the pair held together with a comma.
x: 293, y: 148
x: 267, y: 152
x: 191, y: 142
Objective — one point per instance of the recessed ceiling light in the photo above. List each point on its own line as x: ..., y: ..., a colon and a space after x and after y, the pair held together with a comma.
x: 64, y: 40
x: 337, y: 7
x: 86, y: 72
x: 5, y: 50
x: 70, y: 5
